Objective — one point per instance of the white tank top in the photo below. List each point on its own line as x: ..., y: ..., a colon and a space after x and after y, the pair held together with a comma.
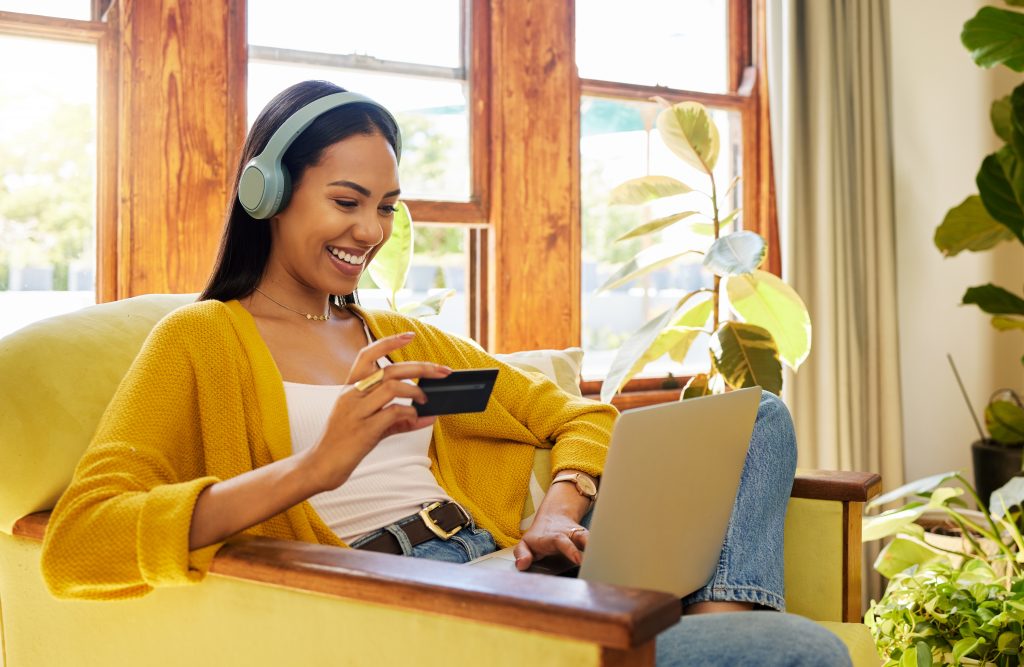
x: 390, y: 483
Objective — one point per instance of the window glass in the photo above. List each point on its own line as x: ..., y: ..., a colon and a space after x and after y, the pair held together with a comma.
x: 433, y: 115
x: 619, y: 141
x: 440, y: 262
x: 67, y: 9
x: 670, y: 43
x: 410, y: 31
x: 47, y: 179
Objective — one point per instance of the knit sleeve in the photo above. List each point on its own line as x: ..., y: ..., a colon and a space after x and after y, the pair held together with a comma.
x: 577, y: 430
x: 122, y: 526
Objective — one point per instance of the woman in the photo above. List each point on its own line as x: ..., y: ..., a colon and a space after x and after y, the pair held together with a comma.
x: 275, y: 388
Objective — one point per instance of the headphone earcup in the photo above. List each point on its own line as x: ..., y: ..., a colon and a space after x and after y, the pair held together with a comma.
x: 286, y: 190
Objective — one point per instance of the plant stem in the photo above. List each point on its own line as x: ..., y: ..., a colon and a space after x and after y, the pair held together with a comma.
x: 718, y: 279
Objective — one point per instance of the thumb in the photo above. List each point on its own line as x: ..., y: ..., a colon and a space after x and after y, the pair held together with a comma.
x: 524, y: 557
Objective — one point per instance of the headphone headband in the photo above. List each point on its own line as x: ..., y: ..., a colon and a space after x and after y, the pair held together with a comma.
x: 265, y: 183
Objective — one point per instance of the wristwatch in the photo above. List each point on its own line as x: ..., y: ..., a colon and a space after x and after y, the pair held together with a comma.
x: 584, y: 485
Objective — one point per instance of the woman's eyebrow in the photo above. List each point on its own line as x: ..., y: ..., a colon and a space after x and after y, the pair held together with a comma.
x: 363, y: 191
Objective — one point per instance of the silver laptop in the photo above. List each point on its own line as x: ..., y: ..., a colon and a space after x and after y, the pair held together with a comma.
x: 666, y: 494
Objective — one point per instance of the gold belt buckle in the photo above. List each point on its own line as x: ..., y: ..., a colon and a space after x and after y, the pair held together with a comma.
x: 432, y: 525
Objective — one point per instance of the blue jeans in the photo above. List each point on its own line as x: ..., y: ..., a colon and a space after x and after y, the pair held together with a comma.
x: 750, y: 568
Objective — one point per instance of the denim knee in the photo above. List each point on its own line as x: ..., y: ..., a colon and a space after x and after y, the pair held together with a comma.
x: 776, y: 425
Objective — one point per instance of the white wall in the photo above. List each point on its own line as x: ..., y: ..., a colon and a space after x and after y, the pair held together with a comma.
x: 941, y: 133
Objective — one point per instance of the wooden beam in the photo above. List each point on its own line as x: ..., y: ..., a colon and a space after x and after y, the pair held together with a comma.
x: 179, y: 138
x: 634, y: 91
x: 50, y: 27
x: 535, y: 207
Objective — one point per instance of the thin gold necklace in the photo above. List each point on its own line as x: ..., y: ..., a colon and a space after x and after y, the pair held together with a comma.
x: 309, y: 316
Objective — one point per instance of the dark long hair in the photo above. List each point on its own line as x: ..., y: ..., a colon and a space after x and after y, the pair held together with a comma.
x: 245, y: 242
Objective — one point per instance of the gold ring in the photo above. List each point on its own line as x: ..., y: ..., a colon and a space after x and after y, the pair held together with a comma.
x: 370, y: 381
x: 574, y: 531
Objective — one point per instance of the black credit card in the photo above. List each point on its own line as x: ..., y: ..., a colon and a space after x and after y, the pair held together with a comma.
x: 462, y: 391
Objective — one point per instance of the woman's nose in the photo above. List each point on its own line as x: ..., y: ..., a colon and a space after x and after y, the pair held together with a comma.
x: 368, y: 230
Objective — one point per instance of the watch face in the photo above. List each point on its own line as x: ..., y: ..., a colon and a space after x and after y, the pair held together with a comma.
x: 586, y: 486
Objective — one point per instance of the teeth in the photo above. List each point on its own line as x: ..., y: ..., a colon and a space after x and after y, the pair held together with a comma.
x: 345, y: 257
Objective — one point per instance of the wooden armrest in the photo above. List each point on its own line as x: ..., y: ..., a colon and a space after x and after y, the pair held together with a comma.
x: 858, y: 487
x: 613, y: 616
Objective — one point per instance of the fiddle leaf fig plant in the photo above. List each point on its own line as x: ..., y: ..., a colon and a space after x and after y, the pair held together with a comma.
x: 390, y: 268
x: 769, y: 325
x: 995, y: 36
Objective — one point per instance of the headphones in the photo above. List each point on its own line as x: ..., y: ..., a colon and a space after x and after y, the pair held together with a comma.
x: 266, y: 184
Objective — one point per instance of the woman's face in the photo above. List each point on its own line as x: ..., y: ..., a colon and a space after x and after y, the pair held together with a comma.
x: 339, y: 215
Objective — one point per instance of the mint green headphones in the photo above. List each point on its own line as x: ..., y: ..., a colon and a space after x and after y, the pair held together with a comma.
x: 265, y: 182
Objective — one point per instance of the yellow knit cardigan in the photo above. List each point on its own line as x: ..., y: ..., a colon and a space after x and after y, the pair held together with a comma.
x: 204, y: 401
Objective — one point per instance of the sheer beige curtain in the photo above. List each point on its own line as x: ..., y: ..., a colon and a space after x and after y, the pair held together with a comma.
x: 830, y: 107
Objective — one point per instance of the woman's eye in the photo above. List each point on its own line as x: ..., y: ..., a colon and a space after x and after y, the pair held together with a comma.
x: 345, y: 203
x: 389, y: 209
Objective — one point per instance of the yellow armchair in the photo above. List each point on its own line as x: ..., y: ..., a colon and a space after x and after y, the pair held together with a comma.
x: 272, y: 602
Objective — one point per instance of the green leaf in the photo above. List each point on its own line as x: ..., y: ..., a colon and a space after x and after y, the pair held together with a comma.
x: 970, y: 227
x: 764, y: 299
x: 916, y: 488
x: 727, y: 220
x: 994, y: 300
x: 1004, y: 323
x: 891, y: 522
x: 1005, y: 422
x: 737, y: 253
x: 688, y: 131
x: 746, y: 355
x: 391, y: 265
x: 996, y: 177
x: 656, y: 225
x: 429, y: 306
x: 995, y: 36
x: 693, y: 322
x: 699, y: 385
x: 1000, y: 115
x: 963, y: 647
x: 703, y: 228
x: 647, y: 188
x: 902, y: 553
x: 1006, y: 497
x: 631, y: 351
x: 646, y: 261
x: 1016, y: 118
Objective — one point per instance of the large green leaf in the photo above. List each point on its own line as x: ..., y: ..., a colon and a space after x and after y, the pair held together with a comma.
x: 918, y: 487
x: 699, y: 385
x: 694, y: 320
x: 632, y: 350
x: 1005, y: 422
x: 656, y: 225
x: 970, y: 227
x: 746, y: 355
x: 999, y: 171
x: 740, y: 252
x: 688, y: 131
x: 646, y: 261
x: 391, y: 265
x: 647, y: 188
x: 994, y: 300
x: 903, y: 553
x: 891, y: 522
x: 429, y: 306
x: 1017, y: 124
x: 764, y: 299
x: 1000, y: 115
x: 995, y: 36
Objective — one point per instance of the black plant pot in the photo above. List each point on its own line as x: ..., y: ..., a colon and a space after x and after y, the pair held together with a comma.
x: 994, y: 465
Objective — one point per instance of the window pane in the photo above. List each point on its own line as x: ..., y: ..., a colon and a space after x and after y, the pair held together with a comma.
x: 409, y: 31
x: 68, y: 9
x: 433, y: 115
x: 47, y: 179
x: 619, y: 141
x: 654, y: 42
x: 440, y: 262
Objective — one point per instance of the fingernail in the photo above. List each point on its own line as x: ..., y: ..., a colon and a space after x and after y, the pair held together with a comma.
x: 445, y: 370
x: 407, y: 334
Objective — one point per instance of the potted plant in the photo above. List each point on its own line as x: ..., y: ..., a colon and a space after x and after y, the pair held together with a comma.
x: 995, y: 36
x: 770, y: 324
x: 955, y: 600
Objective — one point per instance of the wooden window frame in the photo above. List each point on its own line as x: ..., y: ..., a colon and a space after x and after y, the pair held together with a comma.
x: 747, y: 96
x: 104, y: 36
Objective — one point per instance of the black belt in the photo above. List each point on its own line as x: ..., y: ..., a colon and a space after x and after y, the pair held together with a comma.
x: 435, y: 520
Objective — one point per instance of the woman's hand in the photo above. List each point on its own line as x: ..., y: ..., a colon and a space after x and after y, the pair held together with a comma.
x: 555, y: 528
x: 361, y: 419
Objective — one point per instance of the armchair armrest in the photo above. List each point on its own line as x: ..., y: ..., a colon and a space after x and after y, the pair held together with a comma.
x: 623, y: 622
x: 844, y: 486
